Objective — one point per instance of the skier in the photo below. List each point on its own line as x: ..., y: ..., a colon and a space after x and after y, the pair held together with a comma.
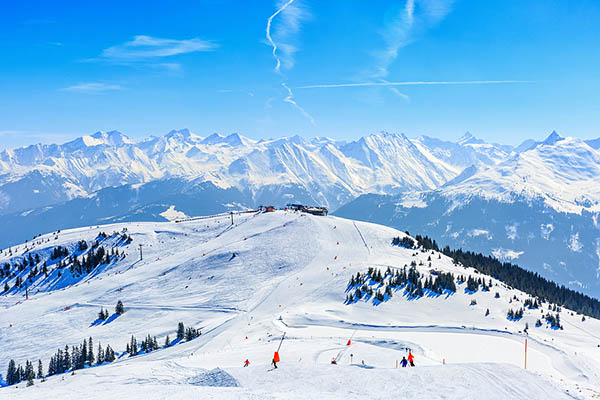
x: 411, y: 359
x: 404, y: 362
x: 274, y: 363
x: 334, y: 361
x: 246, y: 363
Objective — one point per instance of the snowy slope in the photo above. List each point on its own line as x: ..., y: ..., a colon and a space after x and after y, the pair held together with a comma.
x: 246, y: 284
x: 563, y: 172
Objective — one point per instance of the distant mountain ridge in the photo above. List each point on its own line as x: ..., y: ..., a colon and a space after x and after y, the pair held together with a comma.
x: 41, y: 175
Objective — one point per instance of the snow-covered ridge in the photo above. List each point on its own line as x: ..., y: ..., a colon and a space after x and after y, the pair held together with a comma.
x: 245, y: 284
x: 563, y: 172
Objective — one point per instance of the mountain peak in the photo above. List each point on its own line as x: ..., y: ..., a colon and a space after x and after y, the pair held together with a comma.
x: 553, y: 138
x: 112, y: 138
x: 468, y: 138
x: 214, y: 138
x: 185, y: 133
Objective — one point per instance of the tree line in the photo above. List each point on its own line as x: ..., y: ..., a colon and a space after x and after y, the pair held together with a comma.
x: 516, y: 277
x: 83, y: 356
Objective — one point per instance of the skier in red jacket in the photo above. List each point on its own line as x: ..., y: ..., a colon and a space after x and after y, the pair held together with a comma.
x: 246, y: 363
x: 411, y: 359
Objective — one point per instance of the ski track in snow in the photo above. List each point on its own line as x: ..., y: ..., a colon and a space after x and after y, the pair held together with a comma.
x: 289, y: 274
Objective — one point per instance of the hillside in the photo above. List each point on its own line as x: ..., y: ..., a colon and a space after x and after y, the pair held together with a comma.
x: 245, y: 285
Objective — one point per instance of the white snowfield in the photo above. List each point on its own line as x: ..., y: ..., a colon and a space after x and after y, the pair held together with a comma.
x: 245, y: 285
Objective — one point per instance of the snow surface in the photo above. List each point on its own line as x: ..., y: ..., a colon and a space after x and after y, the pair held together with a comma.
x: 245, y: 285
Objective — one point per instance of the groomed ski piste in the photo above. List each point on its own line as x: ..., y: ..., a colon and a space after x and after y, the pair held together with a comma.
x: 245, y: 285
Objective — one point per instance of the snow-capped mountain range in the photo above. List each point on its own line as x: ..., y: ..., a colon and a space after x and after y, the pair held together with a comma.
x: 332, y: 172
x: 536, y: 204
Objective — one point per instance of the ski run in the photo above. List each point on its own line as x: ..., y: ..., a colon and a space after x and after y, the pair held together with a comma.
x: 244, y: 286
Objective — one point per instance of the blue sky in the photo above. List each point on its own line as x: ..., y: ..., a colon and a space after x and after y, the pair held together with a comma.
x: 505, y: 71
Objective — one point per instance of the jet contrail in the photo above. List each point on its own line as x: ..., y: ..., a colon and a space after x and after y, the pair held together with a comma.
x: 408, y: 83
x: 290, y: 99
x: 290, y: 96
x: 268, y: 31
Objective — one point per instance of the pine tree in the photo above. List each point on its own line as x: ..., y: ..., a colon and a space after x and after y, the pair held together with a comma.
x: 83, y: 355
x: 11, y: 373
x: 100, y: 355
x: 119, y: 309
x: 109, y: 354
x: 180, y: 331
x: 133, y: 347
x: 90, y: 353
x: 20, y: 374
x: 29, y: 373
x: 40, y: 372
x: 167, y: 341
x: 66, y: 363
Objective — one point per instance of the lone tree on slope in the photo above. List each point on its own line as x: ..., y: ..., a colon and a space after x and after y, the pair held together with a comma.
x: 119, y: 309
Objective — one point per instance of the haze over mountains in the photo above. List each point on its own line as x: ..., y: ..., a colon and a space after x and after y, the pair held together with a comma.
x: 535, y: 204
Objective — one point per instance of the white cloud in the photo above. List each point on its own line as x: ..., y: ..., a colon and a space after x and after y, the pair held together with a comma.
x: 511, y: 231
x: 405, y: 26
x: 92, y: 87
x: 144, y: 47
x: 574, y: 243
x: 507, y: 254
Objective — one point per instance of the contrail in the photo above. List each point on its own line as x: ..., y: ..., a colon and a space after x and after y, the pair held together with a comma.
x: 290, y: 99
x: 270, y: 39
x: 409, y: 83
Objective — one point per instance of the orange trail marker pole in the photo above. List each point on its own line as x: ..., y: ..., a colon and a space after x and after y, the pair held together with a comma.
x: 525, y: 353
x: 350, y: 340
x: 276, y: 355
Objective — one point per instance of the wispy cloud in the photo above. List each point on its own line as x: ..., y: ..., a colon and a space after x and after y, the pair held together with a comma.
x: 405, y: 26
x: 291, y: 15
x: 92, y: 88
x: 144, y: 47
x: 408, y: 83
